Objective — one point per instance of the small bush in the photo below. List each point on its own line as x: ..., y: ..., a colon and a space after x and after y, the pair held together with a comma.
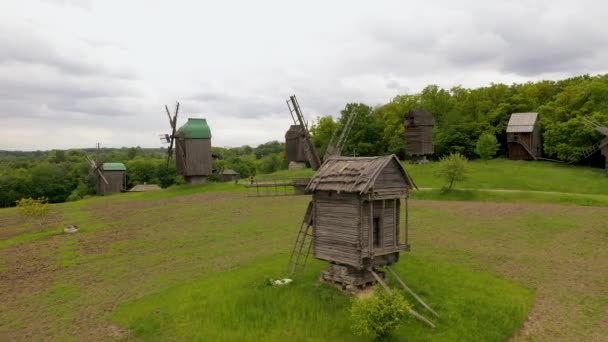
x: 452, y: 168
x: 487, y: 146
x: 378, y: 315
x: 33, y: 207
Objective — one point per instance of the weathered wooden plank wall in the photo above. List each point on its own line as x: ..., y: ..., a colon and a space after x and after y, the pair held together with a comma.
x: 197, y: 159
x: 115, y: 180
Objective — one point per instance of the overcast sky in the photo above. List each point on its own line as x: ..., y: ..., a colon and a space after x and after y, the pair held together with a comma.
x: 73, y: 73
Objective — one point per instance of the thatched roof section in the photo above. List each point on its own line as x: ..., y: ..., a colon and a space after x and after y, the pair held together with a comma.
x: 522, y: 122
x: 294, y: 132
x: 229, y: 172
x: 353, y: 174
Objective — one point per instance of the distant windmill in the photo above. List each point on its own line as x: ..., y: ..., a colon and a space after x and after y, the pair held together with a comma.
x: 192, y: 143
x: 95, y: 167
x: 600, y: 145
x: 111, y: 177
x: 306, y: 140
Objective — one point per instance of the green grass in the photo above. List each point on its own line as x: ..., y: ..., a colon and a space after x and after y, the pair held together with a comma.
x: 519, y: 175
x: 196, y: 254
x: 516, y: 197
x: 506, y: 174
x: 239, y: 305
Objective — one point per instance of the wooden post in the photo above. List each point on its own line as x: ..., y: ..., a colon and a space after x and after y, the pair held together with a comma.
x: 405, y: 287
x: 407, y: 221
x: 381, y: 233
x: 371, y: 227
x: 395, y: 224
x: 411, y: 311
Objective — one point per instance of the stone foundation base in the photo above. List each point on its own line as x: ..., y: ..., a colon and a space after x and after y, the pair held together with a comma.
x: 349, y: 279
x: 293, y: 165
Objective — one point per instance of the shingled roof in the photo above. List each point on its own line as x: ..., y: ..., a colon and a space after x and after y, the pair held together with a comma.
x: 522, y: 122
x: 353, y: 174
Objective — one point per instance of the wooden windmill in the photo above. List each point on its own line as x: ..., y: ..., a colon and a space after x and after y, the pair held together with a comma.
x: 601, y: 145
x: 96, y: 168
x: 354, y: 221
x: 419, y: 135
x: 305, y: 140
x: 111, y: 177
x: 192, y: 143
x: 298, y: 142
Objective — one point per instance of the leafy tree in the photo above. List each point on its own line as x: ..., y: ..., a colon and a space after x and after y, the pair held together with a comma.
x: 452, y: 168
x: 487, y: 145
x: 321, y: 133
x: 380, y: 314
x: 365, y: 138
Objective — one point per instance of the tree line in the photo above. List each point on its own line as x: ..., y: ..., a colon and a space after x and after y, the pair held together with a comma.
x: 66, y: 175
x: 462, y: 115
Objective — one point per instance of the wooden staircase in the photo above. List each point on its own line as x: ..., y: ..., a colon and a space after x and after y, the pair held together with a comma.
x: 525, y: 146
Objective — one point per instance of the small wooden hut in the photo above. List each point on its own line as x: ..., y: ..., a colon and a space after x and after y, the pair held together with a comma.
x: 193, y: 151
x: 523, y: 136
x: 419, y: 134
x: 229, y: 175
x: 295, y: 146
x: 116, y: 175
x: 356, y: 215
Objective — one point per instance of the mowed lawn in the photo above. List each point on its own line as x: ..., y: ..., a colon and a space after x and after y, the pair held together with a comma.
x: 193, y: 264
x: 507, y: 175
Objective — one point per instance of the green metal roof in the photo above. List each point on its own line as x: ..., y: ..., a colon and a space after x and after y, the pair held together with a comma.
x: 114, y: 167
x: 195, y: 129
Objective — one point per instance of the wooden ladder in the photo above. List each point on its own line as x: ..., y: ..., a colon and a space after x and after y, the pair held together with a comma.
x: 302, y: 246
x: 591, y: 150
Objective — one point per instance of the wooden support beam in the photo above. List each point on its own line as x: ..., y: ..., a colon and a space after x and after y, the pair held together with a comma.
x: 411, y: 311
x: 370, y: 231
x: 395, y: 224
x: 378, y: 279
x: 407, y: 221
x: 411, y: 291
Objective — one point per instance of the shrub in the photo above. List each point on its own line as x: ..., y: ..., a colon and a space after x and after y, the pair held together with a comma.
x: 33, y: 207
x: 452, y: 168
x: 487, y: 146
x: 378, y: 315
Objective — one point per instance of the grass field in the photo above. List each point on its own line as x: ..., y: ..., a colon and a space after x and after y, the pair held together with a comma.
x: 153, y: 267
x: 509, y: 175
x: 191, y: 263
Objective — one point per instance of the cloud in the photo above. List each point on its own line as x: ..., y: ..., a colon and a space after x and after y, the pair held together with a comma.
x: 81, y: 72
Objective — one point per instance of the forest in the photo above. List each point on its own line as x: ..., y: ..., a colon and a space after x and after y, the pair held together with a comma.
x: 462, y: 115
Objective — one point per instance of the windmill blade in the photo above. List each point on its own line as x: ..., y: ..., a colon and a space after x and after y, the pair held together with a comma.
x: 102, y: 177
x: 171, y: 123
x: 175, y: 119
x: 170, y: 150
x: 95, y: 168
